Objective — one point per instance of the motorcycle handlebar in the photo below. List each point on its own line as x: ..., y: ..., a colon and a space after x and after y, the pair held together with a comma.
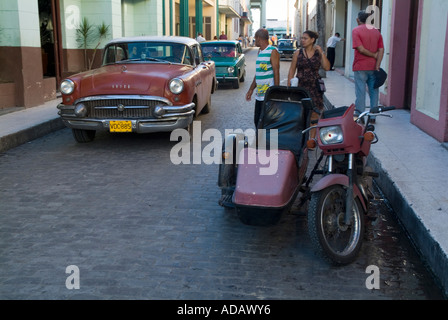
x: 381, y: 109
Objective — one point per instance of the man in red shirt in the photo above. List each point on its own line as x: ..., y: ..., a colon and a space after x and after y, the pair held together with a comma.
x: 369, y: 52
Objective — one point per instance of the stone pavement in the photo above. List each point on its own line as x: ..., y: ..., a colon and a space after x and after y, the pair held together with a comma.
x: 412, y: 166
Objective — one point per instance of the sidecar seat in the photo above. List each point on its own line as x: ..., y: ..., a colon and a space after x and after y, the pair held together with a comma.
x: 289, y: 118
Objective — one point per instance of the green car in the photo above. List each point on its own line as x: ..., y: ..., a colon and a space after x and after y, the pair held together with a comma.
x: 229, y: 60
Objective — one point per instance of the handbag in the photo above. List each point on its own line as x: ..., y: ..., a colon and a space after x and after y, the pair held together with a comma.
x: 320, y: 83
x: 380, y: 78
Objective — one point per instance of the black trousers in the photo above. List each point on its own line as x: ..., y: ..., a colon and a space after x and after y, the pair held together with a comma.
x: 331, y: 55
x: 257, y: 112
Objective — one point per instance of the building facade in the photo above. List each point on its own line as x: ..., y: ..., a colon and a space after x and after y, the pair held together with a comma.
x: 415, y: 34
x: 40, y: 43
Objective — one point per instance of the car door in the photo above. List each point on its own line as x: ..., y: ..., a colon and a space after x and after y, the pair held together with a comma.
x: 203, y: 77
x: 241, y: 63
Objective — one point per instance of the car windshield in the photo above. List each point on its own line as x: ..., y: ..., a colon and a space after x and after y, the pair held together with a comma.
x: 146, y: 52
x: 286, y: 44
x: 214, y: 50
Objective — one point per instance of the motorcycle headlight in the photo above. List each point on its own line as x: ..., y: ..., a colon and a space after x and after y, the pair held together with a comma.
x: 331, y: 135
x: 67, y: 86
x: 230, y: 70
x: 176, y: 86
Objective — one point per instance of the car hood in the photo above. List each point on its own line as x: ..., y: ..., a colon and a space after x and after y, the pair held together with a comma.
x: 132, y: 78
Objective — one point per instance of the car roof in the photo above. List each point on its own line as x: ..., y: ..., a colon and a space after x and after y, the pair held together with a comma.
x: 168, y: 39
x: 217, y: 42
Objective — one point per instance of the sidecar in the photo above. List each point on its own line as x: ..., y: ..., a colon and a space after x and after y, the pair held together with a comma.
x: 261, y: 178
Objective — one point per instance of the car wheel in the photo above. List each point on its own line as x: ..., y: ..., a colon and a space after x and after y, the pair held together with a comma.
x: 236, y: 84
x: 243, y: 76
x: 83, y: 136
x: 206, y: 108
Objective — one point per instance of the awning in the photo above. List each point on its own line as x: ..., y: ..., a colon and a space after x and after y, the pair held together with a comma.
x: 229, y: 11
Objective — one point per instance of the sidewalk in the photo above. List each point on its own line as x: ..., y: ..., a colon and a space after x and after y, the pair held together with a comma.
x: 413, y: 171
x: 412, y: 166
x: 25, y: 125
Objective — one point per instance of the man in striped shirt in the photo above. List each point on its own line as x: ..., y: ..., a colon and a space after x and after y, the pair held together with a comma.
x: 267, y: 71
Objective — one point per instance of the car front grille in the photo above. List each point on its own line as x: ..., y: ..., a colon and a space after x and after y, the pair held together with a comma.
x: 221, y: 70
x: 121, y: 108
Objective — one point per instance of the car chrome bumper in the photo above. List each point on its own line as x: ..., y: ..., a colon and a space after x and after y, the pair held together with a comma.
x: 225, y: 78
x: 168, y: 119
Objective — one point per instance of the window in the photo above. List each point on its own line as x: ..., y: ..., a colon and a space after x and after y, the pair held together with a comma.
x: 197, y: 53
x: 139, y: 52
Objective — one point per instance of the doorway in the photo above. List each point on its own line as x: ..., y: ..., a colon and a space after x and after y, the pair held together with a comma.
x: 49, y: 22
x: 413, y: 19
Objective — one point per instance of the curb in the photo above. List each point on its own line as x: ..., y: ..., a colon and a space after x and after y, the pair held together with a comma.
x: 16, y: 139
x: 429, y: 250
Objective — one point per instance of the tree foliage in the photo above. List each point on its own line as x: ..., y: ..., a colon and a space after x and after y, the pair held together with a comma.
x: 88, y: 35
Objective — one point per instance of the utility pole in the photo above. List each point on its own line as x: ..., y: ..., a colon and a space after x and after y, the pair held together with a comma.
x: 320, y: 21
x: 321, y: 29
x: 287, y: 18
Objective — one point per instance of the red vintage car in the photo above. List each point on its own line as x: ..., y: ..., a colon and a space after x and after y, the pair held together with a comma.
x: 145, y: 84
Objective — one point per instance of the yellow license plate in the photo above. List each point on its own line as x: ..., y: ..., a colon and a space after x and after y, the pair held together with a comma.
x: 120, y: 126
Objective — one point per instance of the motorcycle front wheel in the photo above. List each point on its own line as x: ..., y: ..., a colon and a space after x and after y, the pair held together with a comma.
x: 332, y: 239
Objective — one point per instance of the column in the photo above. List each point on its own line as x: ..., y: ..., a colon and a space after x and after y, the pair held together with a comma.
x: 263, y: 14
x: 199, y: 19
x: 184, y: 18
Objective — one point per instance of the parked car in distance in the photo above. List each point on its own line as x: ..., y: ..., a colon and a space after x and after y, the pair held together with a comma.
x: 229, y: 60
x: 145, y: 84
x: 286, y: 48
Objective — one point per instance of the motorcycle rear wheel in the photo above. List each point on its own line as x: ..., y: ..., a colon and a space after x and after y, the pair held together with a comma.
x: 332, y: 239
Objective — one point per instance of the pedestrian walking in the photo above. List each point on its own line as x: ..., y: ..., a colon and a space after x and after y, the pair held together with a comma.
x: 267, y: 71
x: 369, y: 51
x: 331, y: 48
x: 305, y: 64
x: 223, y: 36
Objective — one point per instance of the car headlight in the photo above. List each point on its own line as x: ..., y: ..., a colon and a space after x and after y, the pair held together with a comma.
x: 331, y: 135
x: 230, y: 70
x: 176, y: 86
x: 67, y: 86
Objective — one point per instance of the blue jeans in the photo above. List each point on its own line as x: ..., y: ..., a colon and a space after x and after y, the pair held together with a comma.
x: 363, y: 78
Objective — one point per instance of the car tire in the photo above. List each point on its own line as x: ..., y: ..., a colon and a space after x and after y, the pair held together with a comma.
x: 206, y: 108
x: 83, y: 136
x: 236, y: 84
x: 243, y: 77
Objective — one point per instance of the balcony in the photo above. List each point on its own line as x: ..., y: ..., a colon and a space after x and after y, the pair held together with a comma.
x: 231, y: 8
x: 246, y: 18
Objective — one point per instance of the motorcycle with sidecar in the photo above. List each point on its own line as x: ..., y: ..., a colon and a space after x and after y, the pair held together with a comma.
x: 260, y: 197
x: 338, y: 202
